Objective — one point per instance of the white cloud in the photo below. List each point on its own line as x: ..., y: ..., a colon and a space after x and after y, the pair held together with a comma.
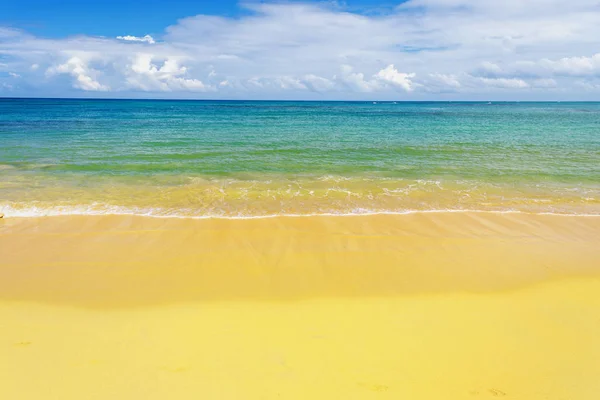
x: 6, y: 32
x: 318, y: 83
x: 288, y: 82
x: 544, y: 83
x: 84, y: 76
x: 489, y: 69
x: 391, y: 76
x: 574, y: 66
x: 14, y: 75
x: 461, y: 47
x: 446, y: 80
x: 356, y: 80
x: 386, y: 77
x: 144, y: 74
x: 129, y: 38
x: 503, y: 83
x: 588, y: 85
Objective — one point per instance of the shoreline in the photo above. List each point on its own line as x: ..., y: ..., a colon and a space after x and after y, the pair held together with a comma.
x: 266, y: 216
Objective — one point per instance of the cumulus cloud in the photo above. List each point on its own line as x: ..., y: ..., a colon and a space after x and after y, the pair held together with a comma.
x: 386, y: 77
x: 422, y: 47
x: 129, y: 38
x: 574, y: 66
x: 356, y: 80
x: 84, y: 76
x: 144, y: 74
x: 392, y: 77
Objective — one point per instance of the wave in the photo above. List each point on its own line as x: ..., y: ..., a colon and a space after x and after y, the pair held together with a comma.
x: 100, y: 210
x: 203, y: 197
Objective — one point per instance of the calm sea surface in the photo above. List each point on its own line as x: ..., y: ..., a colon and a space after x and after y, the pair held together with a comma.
x: 250, y: 158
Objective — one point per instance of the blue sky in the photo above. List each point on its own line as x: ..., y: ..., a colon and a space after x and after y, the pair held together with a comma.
x: 53, y: 18
x: 403, y: 50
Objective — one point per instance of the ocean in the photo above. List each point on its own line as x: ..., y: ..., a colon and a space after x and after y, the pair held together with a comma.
x: 267, y: 158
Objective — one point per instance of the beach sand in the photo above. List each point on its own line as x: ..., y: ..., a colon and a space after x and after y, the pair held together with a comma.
x: 419, y: 306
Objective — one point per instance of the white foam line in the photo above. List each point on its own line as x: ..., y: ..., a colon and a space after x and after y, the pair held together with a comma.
x: 355, y: 214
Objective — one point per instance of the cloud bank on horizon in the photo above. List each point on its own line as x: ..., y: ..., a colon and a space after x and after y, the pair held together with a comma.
x: 423, y: 49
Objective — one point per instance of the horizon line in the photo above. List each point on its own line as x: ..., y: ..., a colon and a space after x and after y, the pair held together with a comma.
x: 294, y: 100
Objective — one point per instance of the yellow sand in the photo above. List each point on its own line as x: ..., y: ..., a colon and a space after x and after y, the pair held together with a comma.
x: 425, y: 306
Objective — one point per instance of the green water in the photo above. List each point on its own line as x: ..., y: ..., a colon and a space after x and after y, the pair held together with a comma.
x: 218, y: 158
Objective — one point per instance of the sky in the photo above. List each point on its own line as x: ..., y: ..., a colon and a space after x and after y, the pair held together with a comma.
x: 306, y: 50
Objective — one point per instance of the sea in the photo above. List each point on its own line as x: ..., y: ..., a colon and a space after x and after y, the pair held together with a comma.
x: 247, y: 159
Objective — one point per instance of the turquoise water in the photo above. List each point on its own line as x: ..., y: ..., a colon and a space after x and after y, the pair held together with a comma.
x: 247, y: 158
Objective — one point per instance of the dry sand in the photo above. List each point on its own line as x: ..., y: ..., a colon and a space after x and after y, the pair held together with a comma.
x: 423, y: 306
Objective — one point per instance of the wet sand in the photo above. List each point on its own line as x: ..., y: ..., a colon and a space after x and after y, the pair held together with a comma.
x: 420, y: 306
